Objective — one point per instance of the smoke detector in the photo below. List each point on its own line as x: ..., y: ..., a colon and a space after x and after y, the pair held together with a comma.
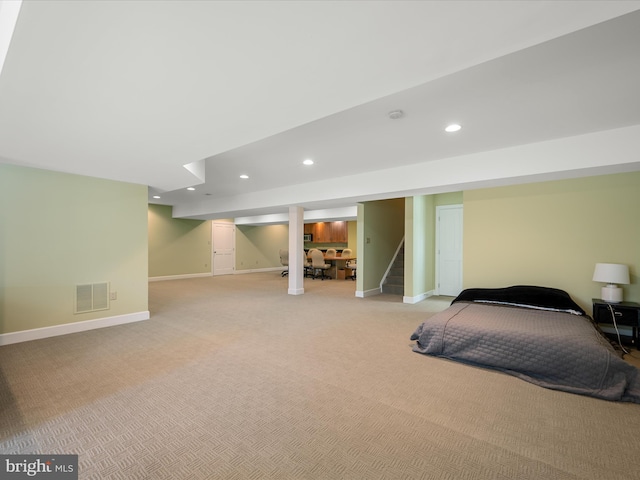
x: 396, y: 114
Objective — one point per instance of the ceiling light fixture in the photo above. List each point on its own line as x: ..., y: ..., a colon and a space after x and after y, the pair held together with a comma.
x: 308, y: 161
x: 191, y: 188
x: 244, y: 176
x: 156, y: 196
x: 396, y: 114
x: 454, y: 127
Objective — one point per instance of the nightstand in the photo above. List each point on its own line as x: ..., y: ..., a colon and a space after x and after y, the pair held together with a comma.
x: 627, y: 315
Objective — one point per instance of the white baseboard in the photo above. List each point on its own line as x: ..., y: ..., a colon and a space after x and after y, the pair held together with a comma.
x: 295, y: 291
x: 209, y: 274
x: 257, y: 270
x: 75, y: 327
x: 418, y: 298
x: 368, y: 293
x: 179, y: 277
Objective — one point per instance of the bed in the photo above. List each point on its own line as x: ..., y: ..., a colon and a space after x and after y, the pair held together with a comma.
x: 538, y: 334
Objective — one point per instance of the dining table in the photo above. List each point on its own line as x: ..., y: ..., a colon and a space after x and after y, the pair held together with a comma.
x: 336, y: 261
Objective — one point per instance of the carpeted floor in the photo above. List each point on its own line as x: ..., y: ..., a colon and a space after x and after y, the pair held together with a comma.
x: 232, y: 378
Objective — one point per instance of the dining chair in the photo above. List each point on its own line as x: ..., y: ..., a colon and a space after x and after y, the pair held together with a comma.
x: 284, y: 260
x: 318, y: 264
x: 353, y: 267
x: 350, y: 264
x: 308, y: 272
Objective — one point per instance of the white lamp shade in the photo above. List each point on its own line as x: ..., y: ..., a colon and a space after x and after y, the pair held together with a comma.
x: 611, y: 273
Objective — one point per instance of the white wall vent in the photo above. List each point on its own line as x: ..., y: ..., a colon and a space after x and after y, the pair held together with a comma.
x: 91, y: 297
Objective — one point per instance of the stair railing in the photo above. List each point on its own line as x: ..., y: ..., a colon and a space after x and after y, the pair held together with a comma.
x: 393, y: 259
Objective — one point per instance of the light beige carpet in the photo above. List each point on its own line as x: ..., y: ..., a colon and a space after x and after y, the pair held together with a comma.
x: 232, y: 378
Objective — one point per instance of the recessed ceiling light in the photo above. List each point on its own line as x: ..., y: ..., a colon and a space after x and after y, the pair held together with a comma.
x: 244, y: 176
x: 454, y: 127
x: 191, y: 188
x: 156, y: 196
x: 396, y: 114
x: 308, y: 161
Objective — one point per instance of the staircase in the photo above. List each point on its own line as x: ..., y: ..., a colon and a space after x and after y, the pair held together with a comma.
x: 394, y: 283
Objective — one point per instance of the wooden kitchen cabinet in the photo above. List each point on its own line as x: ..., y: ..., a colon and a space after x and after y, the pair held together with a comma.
x: 339, y: 232
x: 328, y: 232
x: 320, y: 232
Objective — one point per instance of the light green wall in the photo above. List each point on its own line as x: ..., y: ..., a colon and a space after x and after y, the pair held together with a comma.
x: 177, y: 246
x: 380, y: 231
x: 258, y: 247
x: 352, y: 240
x: 420, y: 243
x: 553, y: 233
x: 452, y: 198
x: 59, y: 230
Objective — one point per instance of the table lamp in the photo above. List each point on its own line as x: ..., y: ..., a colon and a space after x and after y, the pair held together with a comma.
x: 612, y: 274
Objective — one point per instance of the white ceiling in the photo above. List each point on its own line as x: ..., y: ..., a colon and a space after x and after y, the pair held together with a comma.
x: 133, y: 91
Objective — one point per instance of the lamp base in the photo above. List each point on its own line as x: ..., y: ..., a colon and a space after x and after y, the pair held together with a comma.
x: 611, y: 294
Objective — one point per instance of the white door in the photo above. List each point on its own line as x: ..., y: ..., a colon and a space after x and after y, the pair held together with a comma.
x: 224, y: 253
x: 449, y: 250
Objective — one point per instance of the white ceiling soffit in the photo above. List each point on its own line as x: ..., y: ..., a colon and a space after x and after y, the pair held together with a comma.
x: 134, y: 91
x: 325, y: 215
x: 582, y: 83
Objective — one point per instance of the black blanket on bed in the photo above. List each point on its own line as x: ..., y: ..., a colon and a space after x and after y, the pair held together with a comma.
x: 523, y: 295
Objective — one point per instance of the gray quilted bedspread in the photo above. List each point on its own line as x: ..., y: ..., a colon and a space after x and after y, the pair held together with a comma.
x: 551, y: 349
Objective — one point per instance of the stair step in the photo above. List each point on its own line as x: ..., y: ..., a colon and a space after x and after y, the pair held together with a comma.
x: 395, y: 279
x: 393, y: 289
x: 394, y: 283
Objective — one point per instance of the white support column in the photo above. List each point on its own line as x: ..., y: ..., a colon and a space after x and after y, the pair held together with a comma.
x: 296, y: 247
